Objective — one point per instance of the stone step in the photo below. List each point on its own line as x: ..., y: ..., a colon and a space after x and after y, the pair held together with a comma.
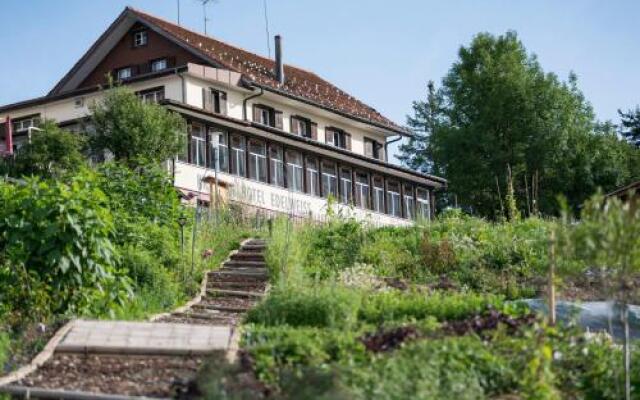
x: 228, y: 309
x: 262, y: 242
x: 211, y: 316
x: 256, y: 248
x: 237, y: 263
x: 237, y: 274
x: 234, y: 293
x: 242, y: 285
x: 247, y: 256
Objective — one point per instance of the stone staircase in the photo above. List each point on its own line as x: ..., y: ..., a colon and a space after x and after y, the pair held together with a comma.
x: 231, y: 290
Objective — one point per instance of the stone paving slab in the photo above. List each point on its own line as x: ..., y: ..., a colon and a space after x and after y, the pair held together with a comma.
x: 123, y: 337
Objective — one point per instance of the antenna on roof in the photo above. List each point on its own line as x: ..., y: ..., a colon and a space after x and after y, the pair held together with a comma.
x: 178, y: 1
x: 204, y: 12
x: 266, y: 23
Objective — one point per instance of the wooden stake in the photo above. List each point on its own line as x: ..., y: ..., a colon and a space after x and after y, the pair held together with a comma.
x: 551, y: 283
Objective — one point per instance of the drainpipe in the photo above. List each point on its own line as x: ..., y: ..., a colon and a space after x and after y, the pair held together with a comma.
x: 244, y: 103
x: 386, y: 146
x: 8, y: 136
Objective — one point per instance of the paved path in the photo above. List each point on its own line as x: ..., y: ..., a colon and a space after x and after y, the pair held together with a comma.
x: 119, y: 337
x: 123, y: 359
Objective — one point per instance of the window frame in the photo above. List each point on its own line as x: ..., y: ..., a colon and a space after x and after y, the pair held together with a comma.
x: 219, y: 149
x: 153, y: 63
x: 294, y: 171
x: 379, y: 194
x: 198, y: 145
x: 237, y: 155
x: 362, y: 198
x: 122, y: 69
x: 346, y: 189
x: 394, y: 199
x: 276, y: 164
x: 332, y: 179
x: 257, y: 161
x: 144, y: 36
x: 312, y: 175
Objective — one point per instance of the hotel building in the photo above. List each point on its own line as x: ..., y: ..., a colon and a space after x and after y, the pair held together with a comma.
x: 279, y: 137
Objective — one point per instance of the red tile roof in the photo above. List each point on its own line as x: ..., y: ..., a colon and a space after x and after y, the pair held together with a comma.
x: 260, y: 70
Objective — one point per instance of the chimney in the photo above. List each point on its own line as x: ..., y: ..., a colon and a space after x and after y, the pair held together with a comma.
x: 279, y: 65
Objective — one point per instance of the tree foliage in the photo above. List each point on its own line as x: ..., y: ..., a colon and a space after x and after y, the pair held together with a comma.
x: 498, y: 110
x: 133, y: 130
x: 631, y: 125
x: 52, y: 153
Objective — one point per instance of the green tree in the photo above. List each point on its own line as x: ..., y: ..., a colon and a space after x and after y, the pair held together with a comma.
x: 133, y: 130
x: 497, y: 109
x: 631, y: 125
x: 52, y: 153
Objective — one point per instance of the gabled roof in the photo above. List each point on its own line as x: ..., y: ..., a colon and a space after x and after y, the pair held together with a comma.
x: 255, y: 69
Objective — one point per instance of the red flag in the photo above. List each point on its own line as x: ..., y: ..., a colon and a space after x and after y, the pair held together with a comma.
x: 8, y: 136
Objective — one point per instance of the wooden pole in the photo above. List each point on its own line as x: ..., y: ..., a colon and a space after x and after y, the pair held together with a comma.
x: 551, y: 283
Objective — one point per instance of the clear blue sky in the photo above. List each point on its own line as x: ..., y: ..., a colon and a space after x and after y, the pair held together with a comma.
x: 382, y: 52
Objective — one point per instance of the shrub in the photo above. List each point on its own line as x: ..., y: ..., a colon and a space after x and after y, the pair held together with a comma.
x: 56, y: 239
x: 323, y: 306
x: 396, y: 305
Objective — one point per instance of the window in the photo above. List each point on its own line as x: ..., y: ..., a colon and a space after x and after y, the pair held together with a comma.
x: 378, y: 194
x: 346, y: 191
x: 409, y: 202
x: 362, y: 190
x: 125, y: 73
x: 140, y: 38
x: 158, y: 65
x: 329, y: 180
x: 154, y: 95
x: 373, y: 149
x: 267, y: 116
x: 238, y: 155
x: 277, y: 166
x: 304, y: 127
x: 219, y: 150
x: 424, y: 209
x: 215, y: 101
x: 257, y: 160
x: 78, y: 102
x: 23, y: 124
x: 393, y: 199
x: 198, y: 145
x: 338, y: 138
x: 313, y: 181
x: 294, y: 171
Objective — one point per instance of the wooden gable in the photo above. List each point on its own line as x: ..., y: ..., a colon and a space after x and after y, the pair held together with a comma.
x: 125, y: 54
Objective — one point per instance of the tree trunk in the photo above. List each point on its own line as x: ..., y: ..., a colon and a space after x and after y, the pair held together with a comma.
x: 627, y: 353
x: 551, y: 284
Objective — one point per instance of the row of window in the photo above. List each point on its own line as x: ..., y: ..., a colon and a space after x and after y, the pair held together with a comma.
x: 272, y: 163
x: 129, y: 71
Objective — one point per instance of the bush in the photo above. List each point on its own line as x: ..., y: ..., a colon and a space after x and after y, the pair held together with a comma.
x: 56, y: 241
x: 400, y: 306
x: 323, y: 306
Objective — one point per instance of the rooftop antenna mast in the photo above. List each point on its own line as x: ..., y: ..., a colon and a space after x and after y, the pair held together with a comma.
x: 204, y: 12
x: 266, y: 24
x: 178, y: 4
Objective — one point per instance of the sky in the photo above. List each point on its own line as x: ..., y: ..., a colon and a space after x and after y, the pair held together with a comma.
x: 382, y: 52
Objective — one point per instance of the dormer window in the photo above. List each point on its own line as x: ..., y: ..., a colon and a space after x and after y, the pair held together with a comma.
x: 124, y: 73
x: 304, y: 127
x: 338, y: 138
x: 140, y: 39
x: 158, y: 65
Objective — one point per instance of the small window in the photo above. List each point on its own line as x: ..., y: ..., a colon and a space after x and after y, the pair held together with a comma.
x: 125, y: 73
x: 372, y: 149
x: 215, y: 100
x: 362, y: 190
x: 338, y: 138
x: 409, y: 202
x: 154, y: 95
x: 219, y: 150
x: 140, y: 39
x: 198, y: 145
x: 294, y: 171
x: 378, y: 194
x: 78, y: 102
x: 238, y: 161
x: 423, y: 207
x: 313, y: 177
x: 303, y: 127
x: 257, y: 160
x: 158, y: 65
x: 277, y: 165
x: 329, y: 180
x: 393, y: 199
x: 268, y: 116
x: 346, y: 190
x: 23, y: 124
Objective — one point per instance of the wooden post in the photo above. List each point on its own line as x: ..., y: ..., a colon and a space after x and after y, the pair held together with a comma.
x: 551, y: 284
